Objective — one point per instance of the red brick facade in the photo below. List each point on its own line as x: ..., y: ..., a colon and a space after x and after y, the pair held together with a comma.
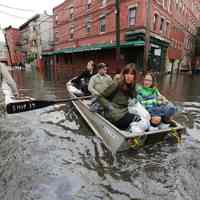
x: 12, y: 36
x: 173, y: 23
x: 63, y: 23
x: 182, y: 18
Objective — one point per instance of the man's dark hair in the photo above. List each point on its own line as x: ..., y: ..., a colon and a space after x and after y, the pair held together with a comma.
x: 101, y: 65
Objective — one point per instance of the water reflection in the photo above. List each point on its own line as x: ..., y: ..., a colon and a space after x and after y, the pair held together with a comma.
x: 51, y: 153
x: 181, y: 87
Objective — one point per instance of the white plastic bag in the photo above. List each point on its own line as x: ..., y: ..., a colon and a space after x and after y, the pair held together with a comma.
x: 137, y: 108
x: 74, y: 90
x: 140, y: 126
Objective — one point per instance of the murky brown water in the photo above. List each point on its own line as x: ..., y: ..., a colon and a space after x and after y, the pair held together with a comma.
x: 50, y: 154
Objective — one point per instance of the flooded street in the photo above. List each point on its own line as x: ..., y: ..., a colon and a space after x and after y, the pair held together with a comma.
x: 51, y: 154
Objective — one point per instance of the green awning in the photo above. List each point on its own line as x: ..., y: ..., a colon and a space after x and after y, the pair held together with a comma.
x: 88, y: 48
x: 81, y: 49
x: 95, y: 47
x: 133, y: 44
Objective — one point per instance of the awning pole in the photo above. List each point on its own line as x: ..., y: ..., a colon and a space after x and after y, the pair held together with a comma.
x: 117, y: 26
x: 147, y: 34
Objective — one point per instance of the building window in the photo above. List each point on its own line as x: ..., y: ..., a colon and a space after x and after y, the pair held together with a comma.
x: 187, y: 44
x: 170, y: 6
x: 167, y: 29
x: 180, y: 5
x: 155, y: 22
x: 102, y: 24
x: 160, y: 2
x: 103, y: 3
x: 161, y: 24
x: 180, y: 45
x: 183, y: 10
x: 89, y: 4
x: 34, y: 43
x: 177, y: 1
x: 88, y: 24
x: 71, y: 12
x: 165, y: 3
x: 132, y: 16
x: 71, y: 33
x: 191, y: 44
x: 56, y: 19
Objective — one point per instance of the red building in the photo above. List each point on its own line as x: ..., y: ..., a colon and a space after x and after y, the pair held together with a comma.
x: 12, y: 37
x: 85, y: 30
x: 178, y: 19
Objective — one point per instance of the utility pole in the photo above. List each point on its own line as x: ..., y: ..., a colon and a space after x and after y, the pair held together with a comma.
x: 147, y: 33
x: 117, y: 27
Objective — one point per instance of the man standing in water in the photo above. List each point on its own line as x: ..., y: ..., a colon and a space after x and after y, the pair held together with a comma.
x: 6, y: 78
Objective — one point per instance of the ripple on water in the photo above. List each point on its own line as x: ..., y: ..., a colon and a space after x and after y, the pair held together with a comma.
x: 58, y: 188
x: 50, y: 154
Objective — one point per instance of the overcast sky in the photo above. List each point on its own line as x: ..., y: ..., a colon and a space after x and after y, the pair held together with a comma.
x: 16, y: 17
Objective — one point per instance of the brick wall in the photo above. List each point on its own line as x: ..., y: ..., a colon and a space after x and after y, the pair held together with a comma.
x: 12, y: 36
x: 178, y: 26
x: 62, y: 22
x: 181, y: 18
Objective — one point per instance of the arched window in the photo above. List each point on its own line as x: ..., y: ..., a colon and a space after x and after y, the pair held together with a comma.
x: 155, y: 21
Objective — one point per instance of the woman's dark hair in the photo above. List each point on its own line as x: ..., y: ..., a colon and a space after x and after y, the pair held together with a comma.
x: 154, y: 81
x: 128, y: 89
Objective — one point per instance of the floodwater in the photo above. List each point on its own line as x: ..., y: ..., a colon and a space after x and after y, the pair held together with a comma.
x: 51, y: 154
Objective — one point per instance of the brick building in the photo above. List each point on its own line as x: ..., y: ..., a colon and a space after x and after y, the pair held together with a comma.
x: 12, y: 36
x: 28, y: 39
x: 36, y: 36
x: 178, y: 19
x: 85, y: 29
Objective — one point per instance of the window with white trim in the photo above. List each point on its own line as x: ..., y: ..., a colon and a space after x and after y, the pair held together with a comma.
x: 167, y: 28
x: 155, y: 21
x: 103, y: 3
x: 165, y: 4
x: 183, y: 9
x: 71, y: 33
x: 180, y: 5
x: 161, y: 24
x: 160, y: 2
x: 177, y: 2
x: 102, y: 24
x: 71, y: 12
x: 88, y: 24
x: 132, y: 16
x: 89, y: 4
x: 169, y: 5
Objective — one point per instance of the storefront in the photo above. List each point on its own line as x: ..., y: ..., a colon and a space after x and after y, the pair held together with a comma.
x: 157, y: 52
